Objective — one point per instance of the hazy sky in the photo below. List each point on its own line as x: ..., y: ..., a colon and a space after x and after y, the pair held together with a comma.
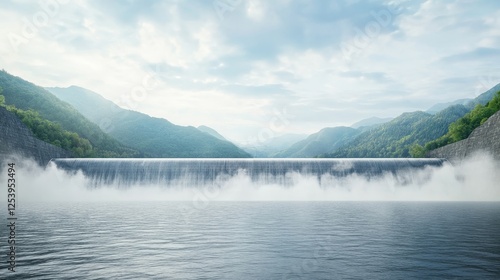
x: 255, y: 68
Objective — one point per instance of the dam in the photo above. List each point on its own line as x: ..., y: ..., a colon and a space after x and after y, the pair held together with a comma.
x: 187, y: 171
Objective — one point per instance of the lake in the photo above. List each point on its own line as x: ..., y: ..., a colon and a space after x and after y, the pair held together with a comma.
x: 257, y: 240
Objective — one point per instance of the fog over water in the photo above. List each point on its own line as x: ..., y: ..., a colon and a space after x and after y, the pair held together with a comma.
x: 474, y: 179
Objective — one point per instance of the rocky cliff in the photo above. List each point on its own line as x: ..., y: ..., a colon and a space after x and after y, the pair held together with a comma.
x: 17, y: 139
x: 484, y: 138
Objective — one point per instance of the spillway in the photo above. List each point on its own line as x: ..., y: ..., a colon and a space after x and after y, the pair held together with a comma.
x: 166, y: 171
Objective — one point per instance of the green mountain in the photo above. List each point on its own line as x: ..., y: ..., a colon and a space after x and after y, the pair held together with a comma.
x: 44, y: 106
x: 463, y: 127
x: 324, y: 141
x: 395, y: 138
x: 154, y: 136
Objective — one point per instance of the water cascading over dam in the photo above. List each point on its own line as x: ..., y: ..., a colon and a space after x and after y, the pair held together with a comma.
x: 209, y: 171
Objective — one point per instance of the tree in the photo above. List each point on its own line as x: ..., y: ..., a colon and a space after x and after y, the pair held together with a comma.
x: 417, y: 151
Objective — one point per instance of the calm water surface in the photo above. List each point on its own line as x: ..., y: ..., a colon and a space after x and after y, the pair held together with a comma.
x: 256, y: 240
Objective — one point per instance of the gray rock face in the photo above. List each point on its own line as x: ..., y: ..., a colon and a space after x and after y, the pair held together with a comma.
x: 17, y: 139
x: 484, y: 138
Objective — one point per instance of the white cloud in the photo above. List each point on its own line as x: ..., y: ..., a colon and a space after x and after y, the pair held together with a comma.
x: 232, y: 74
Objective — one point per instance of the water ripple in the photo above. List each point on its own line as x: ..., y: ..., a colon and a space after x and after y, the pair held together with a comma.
x: 259, y: 240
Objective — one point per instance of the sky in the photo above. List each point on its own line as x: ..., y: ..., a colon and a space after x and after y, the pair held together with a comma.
x: 255, y: 69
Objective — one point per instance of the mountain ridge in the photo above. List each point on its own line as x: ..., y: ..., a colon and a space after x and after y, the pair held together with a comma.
x: 157, y: 137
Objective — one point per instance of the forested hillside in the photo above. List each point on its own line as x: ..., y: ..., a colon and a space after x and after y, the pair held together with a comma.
x: 71, y: 119
x: 394, y: 139
x: 462, y: 128
x: 29, y: 98
x: 406, y: 135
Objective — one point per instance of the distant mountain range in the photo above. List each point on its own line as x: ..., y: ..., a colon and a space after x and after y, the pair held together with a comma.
x: 155, y: 137
x: 86, y: 117
x: 385, y: 137
x: 321, y: 142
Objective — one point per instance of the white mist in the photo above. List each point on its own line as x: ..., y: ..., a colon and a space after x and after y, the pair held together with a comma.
x: 474, y: 179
